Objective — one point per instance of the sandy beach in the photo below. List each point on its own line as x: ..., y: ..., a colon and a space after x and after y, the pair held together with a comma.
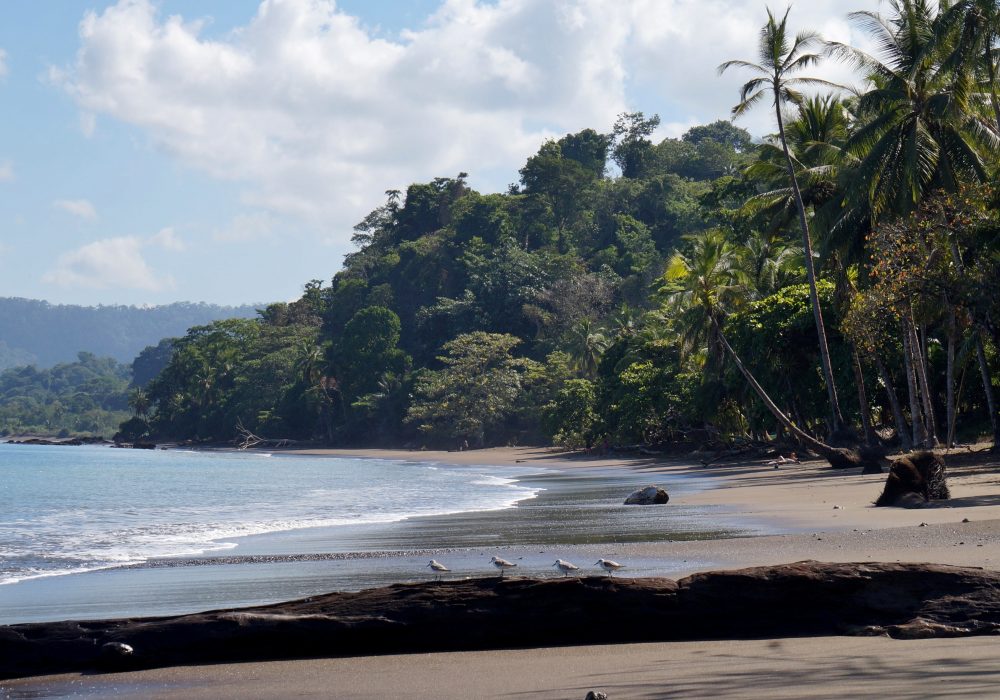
x: 822, y: 514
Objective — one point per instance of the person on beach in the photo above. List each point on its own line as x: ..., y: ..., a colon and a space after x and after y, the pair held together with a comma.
x: 781, y: 459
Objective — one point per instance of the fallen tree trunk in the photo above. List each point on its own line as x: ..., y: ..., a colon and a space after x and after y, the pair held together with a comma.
x: 807, y: 598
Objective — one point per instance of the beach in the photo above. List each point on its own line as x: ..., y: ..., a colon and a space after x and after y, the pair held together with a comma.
x: 816, y: 513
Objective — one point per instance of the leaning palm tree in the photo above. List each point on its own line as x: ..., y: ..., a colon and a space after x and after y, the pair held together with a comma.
x: 700, y: 288
x: 780, y: 58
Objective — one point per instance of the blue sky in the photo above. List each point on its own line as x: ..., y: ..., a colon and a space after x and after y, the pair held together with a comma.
x: 221, y: 150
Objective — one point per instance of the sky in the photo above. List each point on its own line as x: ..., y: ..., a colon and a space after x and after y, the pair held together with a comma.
x: 222, y: 150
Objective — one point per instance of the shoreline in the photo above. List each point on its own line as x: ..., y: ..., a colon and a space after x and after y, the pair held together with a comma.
x: 821, y: 513
x: 573, y: 514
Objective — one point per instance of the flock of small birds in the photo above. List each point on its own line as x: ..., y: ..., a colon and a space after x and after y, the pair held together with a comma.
x: 502, y: 565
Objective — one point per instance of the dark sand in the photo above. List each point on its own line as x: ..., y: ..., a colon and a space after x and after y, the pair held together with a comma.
x: 815, y: 667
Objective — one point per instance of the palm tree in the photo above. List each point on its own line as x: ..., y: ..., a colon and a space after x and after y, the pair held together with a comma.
x: 139, y: 402
x: 780, y: 60
x: 815, y: 134
x: 586, y: 345
x: 918, y: 130
x: 768, y: 264
x: 972, y: 28
x: 919, y: 127
x: 701, y: 287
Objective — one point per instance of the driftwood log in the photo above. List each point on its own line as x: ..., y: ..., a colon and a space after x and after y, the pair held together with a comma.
x: 807, y: 598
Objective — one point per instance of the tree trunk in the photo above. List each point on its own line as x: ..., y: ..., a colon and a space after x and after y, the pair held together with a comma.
x: 866, y: 411
x: 837, y: 417
x: 984, y: 369
x: 950, y: 377
x: 984, y: 373
x: 911, y: 385
x: 905, y: 440
x: 920, y: 364
x: 837, y: 457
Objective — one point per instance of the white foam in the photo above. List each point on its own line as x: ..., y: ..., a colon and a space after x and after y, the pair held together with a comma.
x: 105, y: 533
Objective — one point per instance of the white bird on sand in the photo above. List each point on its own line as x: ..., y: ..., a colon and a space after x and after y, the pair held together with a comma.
x: 502, y: 564
x: 438, y: 568
x: 609, y: 566
x: 566, y: 566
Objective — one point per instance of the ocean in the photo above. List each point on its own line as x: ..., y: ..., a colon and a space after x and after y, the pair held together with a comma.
x: 96, y: 532
x: 72, y: 509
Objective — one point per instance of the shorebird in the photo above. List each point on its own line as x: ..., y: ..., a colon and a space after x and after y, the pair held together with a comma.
x: 610, y: 566
x: 566, y: 566
x: 438, y: 568
x: 502, y: 564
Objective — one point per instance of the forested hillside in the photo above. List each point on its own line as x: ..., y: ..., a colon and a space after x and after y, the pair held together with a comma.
x: 39, y: 333
x: 88, y: 396
x: 836, y: 282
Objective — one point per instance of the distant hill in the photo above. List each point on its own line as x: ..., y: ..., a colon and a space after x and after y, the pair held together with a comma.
x: 37, y: 332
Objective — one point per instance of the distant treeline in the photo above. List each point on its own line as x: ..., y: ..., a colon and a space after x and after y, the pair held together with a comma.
x: 88, y: 396
x: 43, y: 334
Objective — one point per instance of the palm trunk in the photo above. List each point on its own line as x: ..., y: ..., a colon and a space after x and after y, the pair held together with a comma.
x: 920, y: 365
x: 950, y: 377
x: 836, y: 457
x: 866, y: 411
x: 984, y: 373
x: 897, y: 411
x: 911, y: 385
x: 837, y: 417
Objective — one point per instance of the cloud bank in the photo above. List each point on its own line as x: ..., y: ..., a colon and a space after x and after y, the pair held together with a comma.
x: 316, y: 115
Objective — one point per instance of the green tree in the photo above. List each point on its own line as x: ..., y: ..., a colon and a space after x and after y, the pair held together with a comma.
x: 633, y: 151
x: 476, y: 390
x: 367, y: 362
x: 570, y: 418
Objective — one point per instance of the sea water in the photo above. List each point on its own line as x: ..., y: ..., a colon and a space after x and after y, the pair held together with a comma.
x: 66, y: 510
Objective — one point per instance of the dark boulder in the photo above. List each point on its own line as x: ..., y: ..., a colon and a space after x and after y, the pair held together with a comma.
x: 915, y: 480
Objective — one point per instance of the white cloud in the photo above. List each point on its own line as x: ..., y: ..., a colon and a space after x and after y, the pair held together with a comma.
x: 167, y: 239
x: 317, y: 116
x: 247, y: 227
x: 6, y: 171
x: 77, y: 207
x: 3, y: 63
x: 111, y: 263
